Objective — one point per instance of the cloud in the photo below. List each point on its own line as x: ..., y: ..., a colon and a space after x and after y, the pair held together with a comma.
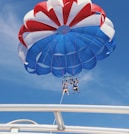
x: 101, y: 86
x: 9, y: 28
x: 8, y: 40
x: 87, y: 77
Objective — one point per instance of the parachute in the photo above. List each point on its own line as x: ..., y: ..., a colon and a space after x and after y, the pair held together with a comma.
x: 64, y: 37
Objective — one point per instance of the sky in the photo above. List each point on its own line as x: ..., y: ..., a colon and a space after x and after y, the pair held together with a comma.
x: 106, y: 84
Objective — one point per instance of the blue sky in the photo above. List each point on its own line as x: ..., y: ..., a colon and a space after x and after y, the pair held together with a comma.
x: 106, y: 84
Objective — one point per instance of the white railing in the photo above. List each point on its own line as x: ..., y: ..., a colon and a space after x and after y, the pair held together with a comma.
x: 32, y: 127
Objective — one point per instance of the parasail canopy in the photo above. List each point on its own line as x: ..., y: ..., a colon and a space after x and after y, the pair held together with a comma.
x: 64, y: 37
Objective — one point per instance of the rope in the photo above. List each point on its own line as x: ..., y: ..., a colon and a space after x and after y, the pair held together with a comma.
x: 62, y: 97
x: 61, y: 100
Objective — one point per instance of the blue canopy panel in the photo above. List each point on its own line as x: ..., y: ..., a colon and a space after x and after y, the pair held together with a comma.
x: 71, y: 52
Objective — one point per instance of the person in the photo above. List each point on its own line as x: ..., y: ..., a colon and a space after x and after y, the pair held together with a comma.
x: 75, y: 84
x: 65, y: 86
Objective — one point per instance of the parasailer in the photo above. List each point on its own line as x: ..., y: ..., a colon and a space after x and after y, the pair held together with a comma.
x: 65, y: 36
x: 74, y: 83
x: 65, y: 87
